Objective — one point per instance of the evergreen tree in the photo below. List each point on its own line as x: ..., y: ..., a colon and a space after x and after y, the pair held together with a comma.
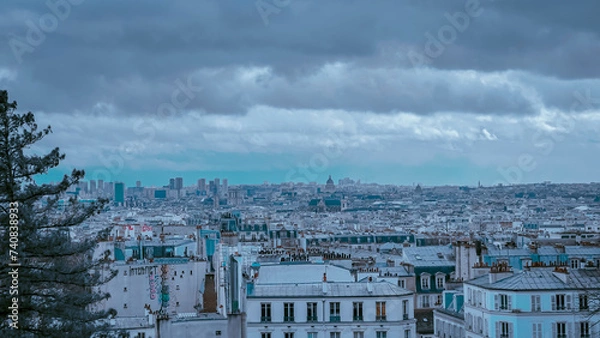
x: 58, y: 277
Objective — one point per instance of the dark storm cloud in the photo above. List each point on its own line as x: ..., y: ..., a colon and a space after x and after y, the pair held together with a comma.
x: 129, y: 54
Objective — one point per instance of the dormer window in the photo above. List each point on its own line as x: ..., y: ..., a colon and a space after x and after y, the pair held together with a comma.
x: 425, y: 281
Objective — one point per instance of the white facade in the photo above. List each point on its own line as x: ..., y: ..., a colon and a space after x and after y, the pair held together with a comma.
x: 538, y: 303
x: 325, y: 310
x: 138, y: 284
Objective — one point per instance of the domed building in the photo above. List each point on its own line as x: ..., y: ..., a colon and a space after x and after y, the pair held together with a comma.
x: 329, y: 186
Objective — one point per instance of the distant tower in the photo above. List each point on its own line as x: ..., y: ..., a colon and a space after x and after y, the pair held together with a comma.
x: 138, y: 184
x: 224, y: 190
x: 120, y: 192
x: 217, y: 186
x: 179, y: 183
x: 171, y: 183
x: 329, y: 186
x: 202, y: 184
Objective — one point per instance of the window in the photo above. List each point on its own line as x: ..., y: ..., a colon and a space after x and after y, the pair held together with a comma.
x: 584, y: 329
x: 335, y: 335
x: 560, y: 330
x: 439, y: 281
x: 381, y: 334
x: 574, y: 264
x: 265, y: 335
x: 141, y: 335
x: 537, y: 330
x: 124, y: 289
x: 125, y: 305
x: 380, y: 311
x: 504, y: 330
x: 288, y: 335
x: 359, y: 335
x: 561, y: 302
x: 265, y: 312
x: 405, y: 309
x: 425, y: 281
x: 401, y: 283
x: 438, y: 300
x: 406, y: 333
x: 583, y: 302
x: 311, y: 312
x: 425, y: 301
x: 535, y: 303
x: 502, y: 302
x: 312, y: 335
x: 357, y: 311
x: 288, y: 312
x: 334, y: 312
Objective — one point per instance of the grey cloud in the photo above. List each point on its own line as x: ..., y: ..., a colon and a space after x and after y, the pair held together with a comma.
x: 129, y: 54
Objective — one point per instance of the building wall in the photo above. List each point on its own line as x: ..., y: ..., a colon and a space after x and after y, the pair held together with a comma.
x: 394, y: 325
x: 136, y: 285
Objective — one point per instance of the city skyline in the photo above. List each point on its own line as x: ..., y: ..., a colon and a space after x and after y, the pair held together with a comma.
x: 445, y: 93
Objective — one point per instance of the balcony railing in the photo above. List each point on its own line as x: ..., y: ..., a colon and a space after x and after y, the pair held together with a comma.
x: 585, y: 335
x: 380, y: 318
x: 334, y: 318
x: 312, y: 318
x: 357, y: 318
x: 288, y: 319
x: 265, y: 319
x: 405, y: 316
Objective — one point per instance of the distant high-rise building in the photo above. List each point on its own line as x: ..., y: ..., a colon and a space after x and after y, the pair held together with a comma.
x: 109, y: 188
x: 179, y: 183
x: 138, y: 184
x: 217, y: 186
x: 101, y: 185
x: 171, y: 183
x: 211, y: 187
x: 119, y: 196
x: 224, y: 189
x: 202, y: 184
x: 83, y: 187
x: 92, y: 186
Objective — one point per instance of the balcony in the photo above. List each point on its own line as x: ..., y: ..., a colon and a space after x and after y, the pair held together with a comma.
x: 312, y: 319
x: 265, y: 319
x: 405, y: 316
x: 585, y: 335
x: 380, y: 318
x: 335, y: 319
x: 288, y: 319
x: 561, y: 335
x: 357, y: 318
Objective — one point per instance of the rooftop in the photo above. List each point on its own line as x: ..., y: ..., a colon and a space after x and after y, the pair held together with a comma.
x: 538, y: 279
x: 310, y: 290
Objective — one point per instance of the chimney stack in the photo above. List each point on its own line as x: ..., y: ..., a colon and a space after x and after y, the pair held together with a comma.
x: 325, y: 283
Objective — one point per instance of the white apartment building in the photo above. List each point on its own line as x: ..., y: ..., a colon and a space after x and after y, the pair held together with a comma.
x: 540, y: 302
x: 301, y: 309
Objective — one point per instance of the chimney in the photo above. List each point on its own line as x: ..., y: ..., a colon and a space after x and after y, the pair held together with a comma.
x: 562, y: 273
x: 369, y: 285
x: 325, y: 283
x: 500, y: 271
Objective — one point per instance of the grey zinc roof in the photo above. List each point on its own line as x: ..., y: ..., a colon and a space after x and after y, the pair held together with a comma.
x: 310, y: 290
x: 428, y: 256
x: 542, y: 280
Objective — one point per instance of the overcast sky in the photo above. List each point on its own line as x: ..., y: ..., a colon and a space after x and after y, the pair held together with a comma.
x: 435, y: 92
